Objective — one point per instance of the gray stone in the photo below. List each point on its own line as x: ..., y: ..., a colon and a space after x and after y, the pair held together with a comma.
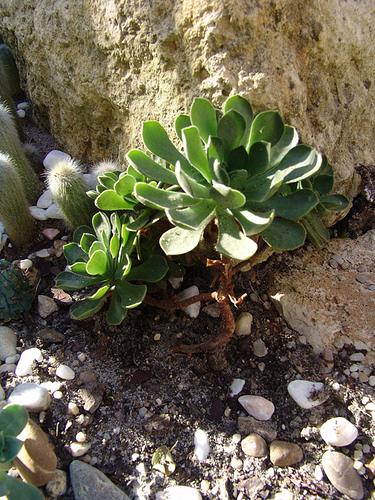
x: 89, y: 482
x: 8, y: 342
x: 31, y: 396
x: 341, y: 473
x: 167, y: 52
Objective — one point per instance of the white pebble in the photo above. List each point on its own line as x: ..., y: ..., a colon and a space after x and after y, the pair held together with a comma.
x: 31, y: 396
x: 79, y: 449
x: 371, y: 380
x: 176, y: 282
x: 38, y: 213
x: 8, y: 342
x: 236, y: 386
x: 45, y: 200
x: 23, y: 105
x: 58, y: 395
x: 318, y: 473
x: 2, y: 394
x: 193, y: 310
x: 178, y: 493
x: 25, y: 264
x: 53, y: 212
x: 257, y: 406
x: 46, y: 306
x: 21, y: 113
x: 202, y: 446
x: 73, y: 409
x: 303, y: 392
x: 64, y: 372
x: 236, y: 463
x: 81, y: 437
x: 54, y: 156
x: 45, y: 253
x: 25, y: 363
x: 81, y: 357
x: 243, y: 324
x: 236, y: 438
x: 260, y: 348
x: 338, y: 432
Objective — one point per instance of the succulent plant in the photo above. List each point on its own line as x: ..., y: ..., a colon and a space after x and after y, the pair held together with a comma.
x: 68, y: 190
x: 14, y: 209
x: 241, y: 173
x: 13, y: 419
x: 8, y: 64
x: 103, y: 257
x: 15, y: 294
x: 10, y: 144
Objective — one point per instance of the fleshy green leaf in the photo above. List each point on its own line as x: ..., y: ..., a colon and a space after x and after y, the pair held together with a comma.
x: 231, y: 129
x: 193, y: 188
x: 153, y: 270
x: 110, y: 200
x: 288, y: 140
x: 125, y: 184
x: 335, y: 202
x: 158, y: 142
x: 99, y: 294
x: 243, y: 107
x: 292, y: 206
x: 227, y: 197
x: 182, y: 121
x: 73, y: 253
x: 17, y: 489
x: 194, y: 151
x: 116, y: 313
x: 148, y: 167
x: 299, y: 163
x: 232, y: 242
x: 263, y: 187
x: 284, y: 234
x: 70, y: 281
x: 193, y: 217
x: 253, y: 223
x: 259, y: 157
x: 237, y: 179
x: 82, y: 309
x: 215, y: 148
x: 203, y: 116
x: 268, y: 127
x: 87, y: 239
x: 10, y: 448
x: 13, y: 419
x: 177, y: 241
x: 97, y: 265
x: 218, y: 173
x: 114, y: 245
x: 80, y: 231
x: 107, y: 181
x: 102, y: 227
x: 160, y: 198
x: 131, y: 295
x: 237, y: 159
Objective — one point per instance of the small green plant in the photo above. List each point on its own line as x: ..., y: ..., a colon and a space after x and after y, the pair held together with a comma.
x: 238, y: 185
x: 15, y: 294
x: 13, y: 419
x: 10, y: 144
x: 68, y: 190
x: 14, y: 209
x: 103, y: 258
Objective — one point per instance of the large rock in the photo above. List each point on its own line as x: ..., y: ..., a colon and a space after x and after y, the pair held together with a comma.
x: 94, y: 70
x: 327, y: 301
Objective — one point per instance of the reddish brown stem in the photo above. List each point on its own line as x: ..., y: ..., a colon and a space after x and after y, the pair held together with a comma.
x: 179, y: 304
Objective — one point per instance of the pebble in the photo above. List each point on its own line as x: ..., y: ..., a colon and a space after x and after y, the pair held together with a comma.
x: 341, y: 473
x: 21, y: 113
x: 284, y: 495
x: 259, y: 348
x: 266, y: 429
x: 338, y: 432
x: 58, y: 246
x: 46, y: 306
x: 257, y: 406
x: 38, y: 213
x: 44, y: 253
x: 178, y: 493
x: 51, y: 233
x: 73, y: 409
x: 243, y: 324
x: 371, y: 381
x: 285, y: 454
x: 25, y: 264
x: 25, y: 363
x: 8, y: 342
x: 45, y: 200
x: 79, y: 449
x: 58, y: 485
x: 305, y: 394
x: 236, y: 386
x: 81, y: 437
x: 11, y: 360
x: 31, y: 396
x: 7, y: 368
x: 64, y: 372
x: 357, y: 356
x: 236, y: 463
x: 193, y: 310
x: 202, y: 446
x: 318, y: 473
x: 58, y: 395
x: 254, y: 446
x: 212, y: 310
x: 53, y: 157
x: 53, y: 212
x: 2, y: 394
x: 90, y: 483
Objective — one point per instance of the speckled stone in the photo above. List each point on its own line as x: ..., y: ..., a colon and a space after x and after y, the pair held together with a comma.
x: 338, y: 432
x: 341, y: 473
x: 8, y: 342
x: 254, y: 446
x: 284, y: 454
x: 257, y: 406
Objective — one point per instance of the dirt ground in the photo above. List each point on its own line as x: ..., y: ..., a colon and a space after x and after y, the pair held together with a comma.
x: 134, y: 396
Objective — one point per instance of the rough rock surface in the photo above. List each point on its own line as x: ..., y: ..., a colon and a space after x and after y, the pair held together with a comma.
x: 95, y: 70
x: 325, y: 303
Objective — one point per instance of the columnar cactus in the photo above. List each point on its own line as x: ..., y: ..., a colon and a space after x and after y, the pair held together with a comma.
x: 8, y: 64
x: 10, y: 144
x: 68, y: 190
x: 14, y: 210
x: 6, y: 99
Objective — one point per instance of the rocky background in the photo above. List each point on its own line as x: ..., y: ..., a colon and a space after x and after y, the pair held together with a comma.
x: 95, y: 70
